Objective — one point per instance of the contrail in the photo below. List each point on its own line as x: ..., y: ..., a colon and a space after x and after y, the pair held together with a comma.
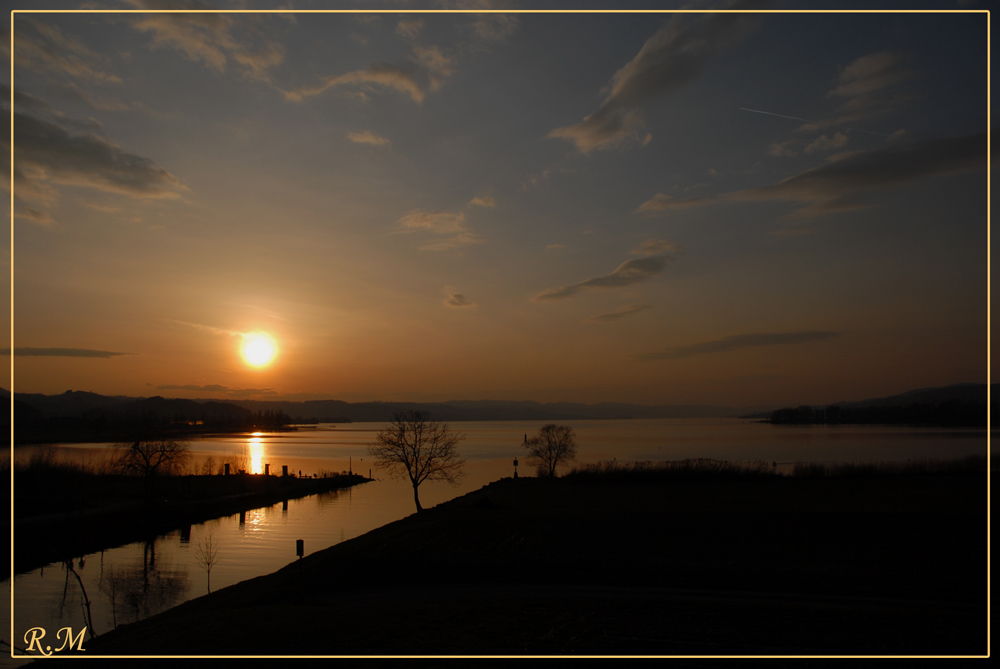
x: 805, y: 120
x: 794, y: 118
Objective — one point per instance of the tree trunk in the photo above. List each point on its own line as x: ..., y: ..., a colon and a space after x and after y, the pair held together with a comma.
x: 417, y: 499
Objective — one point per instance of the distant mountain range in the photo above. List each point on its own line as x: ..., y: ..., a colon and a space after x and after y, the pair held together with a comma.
x: 961, y: 392
x: 963, y: 404
x: 81, y: 404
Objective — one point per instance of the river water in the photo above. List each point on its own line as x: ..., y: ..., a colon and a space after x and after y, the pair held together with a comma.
x: 131, y: 582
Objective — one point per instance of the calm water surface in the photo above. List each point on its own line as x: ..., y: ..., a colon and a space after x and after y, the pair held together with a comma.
x: 134, y: 581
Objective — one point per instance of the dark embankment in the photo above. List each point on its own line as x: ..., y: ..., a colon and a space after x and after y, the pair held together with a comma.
x: 62, y: 512
x: 626, y: 564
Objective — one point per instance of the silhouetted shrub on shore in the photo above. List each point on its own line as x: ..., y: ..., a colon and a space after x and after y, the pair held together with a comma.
x: 972, y: 464
x: 45, y: 460
x: 697, y: 468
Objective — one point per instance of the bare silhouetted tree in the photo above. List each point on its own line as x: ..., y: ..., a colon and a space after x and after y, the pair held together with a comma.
x: 208, y: 555
x: 415, y: 446
x: 553, y: 444
x: 150, y: 457
x: 112, y: 584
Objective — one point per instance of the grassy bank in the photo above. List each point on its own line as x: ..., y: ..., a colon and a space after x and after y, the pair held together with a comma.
x: 620, y: 563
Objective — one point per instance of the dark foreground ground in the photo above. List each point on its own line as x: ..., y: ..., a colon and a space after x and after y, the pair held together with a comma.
x: 770, y: 566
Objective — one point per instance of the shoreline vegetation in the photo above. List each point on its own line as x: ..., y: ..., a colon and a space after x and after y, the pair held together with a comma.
x: 685, y: 557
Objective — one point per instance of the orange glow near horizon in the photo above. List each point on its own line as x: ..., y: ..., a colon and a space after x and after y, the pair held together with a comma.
x: 258, y: 349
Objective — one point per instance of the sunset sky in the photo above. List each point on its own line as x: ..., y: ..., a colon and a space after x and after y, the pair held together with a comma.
x: 730, y: 209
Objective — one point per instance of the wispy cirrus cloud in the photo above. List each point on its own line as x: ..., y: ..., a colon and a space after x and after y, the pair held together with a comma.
x: 380, y: 74
x: 450, y: 226
x: 824, y: 143
x: 672, y: 57
x: 61, y: 352
x: 737, y: 342
x: 34, y: 215
x: 209, y: 38
x: 626, y: 274
x: 869, y: 84
x: 847, y: 178
x: 438, y: 222
x: 47, y: 153
x: 439, y: 66
x: 629, y: 272
x: 483, y: 201
x: 782, y: 149
x: 487, y: 28
x: 212, y: 329
x: 456, y: 299
x: 409, y: 27
x: 870, y: 87
x: 624, y: 312
x: 367, y: 137
x: 43, y: 48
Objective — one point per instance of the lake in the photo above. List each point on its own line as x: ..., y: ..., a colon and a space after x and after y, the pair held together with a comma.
x: 134, y: 581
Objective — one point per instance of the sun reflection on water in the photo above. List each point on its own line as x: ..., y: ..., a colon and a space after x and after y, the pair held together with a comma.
x: 256, y: 453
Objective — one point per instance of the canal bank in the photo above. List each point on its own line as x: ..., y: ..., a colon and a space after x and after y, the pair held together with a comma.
x: 176, y: 503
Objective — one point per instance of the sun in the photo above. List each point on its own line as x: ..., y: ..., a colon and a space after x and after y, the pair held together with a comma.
x: 258, y: 349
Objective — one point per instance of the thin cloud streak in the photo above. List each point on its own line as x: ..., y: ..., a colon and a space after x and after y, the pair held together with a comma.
x: 844, y: 181
x: 458, y: 300
x: 737, y: 342
x: 367, y: 137
x: 625, y: 312
x: 382, y: 74
x: 62, y: 352
x: 629, y: 272
x: 46, y: 153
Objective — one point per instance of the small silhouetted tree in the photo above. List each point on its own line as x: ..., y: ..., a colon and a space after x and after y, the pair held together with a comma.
x: 208, y: 555
x: 416, y: 447
x: 112, y: 584
x: 553, y: 444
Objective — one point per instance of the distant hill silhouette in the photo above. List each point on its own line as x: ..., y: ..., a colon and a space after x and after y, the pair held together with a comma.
x: 83, y: 416
x: 960, y: 392
x: 482, y: 410
x: 70, y: 403
x: 963, y: 404
x: 172, y: 410
x: 92, y: 406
